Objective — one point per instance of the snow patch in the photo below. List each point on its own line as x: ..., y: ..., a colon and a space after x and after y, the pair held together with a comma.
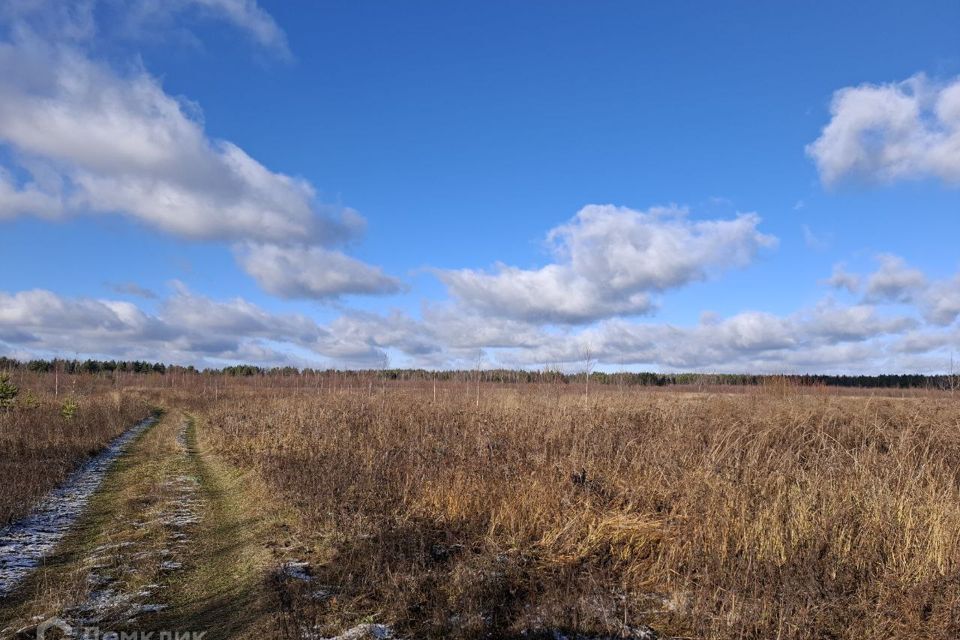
x: 26, y: 542
x: 360, y: 632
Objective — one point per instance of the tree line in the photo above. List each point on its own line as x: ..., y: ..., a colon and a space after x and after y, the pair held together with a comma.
x: 503, y: 376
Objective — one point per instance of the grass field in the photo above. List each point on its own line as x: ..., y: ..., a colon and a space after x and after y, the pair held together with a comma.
x: 772, y: 513
x: 43, y: 437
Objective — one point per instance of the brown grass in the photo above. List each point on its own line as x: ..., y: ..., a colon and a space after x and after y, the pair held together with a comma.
x: 759, y: 515
x: 39, y: 447
x: 773, y: 512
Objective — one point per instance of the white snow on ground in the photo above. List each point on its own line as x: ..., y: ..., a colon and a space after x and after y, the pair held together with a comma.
x: 26, y: 542
x: 360, y: 632
x: 643, y: 632
x: 296, y: 570
x: 107, y: 602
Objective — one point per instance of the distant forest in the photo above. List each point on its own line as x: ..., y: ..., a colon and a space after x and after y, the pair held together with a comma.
x: 505, y: 376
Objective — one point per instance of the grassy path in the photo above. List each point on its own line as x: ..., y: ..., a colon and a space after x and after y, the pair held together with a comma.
x: 167, y: 544
x: 223, y: 592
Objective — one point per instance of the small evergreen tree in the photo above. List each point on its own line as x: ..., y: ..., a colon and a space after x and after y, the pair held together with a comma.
x: 69, y: 408
x: 28, y: 400
x: 8, y: 392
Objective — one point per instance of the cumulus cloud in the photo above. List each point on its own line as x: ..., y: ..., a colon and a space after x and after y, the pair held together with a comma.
x: 43, y: 318
x: 126, y: 146
x: 942, y: 301
x: 843, y: 279
x: 924, y: 341
x: 312, y: 272
x: 608, y: 261
x: 894, y: 281
x: 27, y: 198
x: 235, y: 317
x: 187, y: 327
x: 841, y: 338
x: 461, y: 329
x: 836, y: 323
x: 887, y: 132
x: 191, y: 328
x: 91, y: 140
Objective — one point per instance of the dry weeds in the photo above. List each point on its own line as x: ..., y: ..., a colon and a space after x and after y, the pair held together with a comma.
x: 761, y: 515
x: 39, y: 446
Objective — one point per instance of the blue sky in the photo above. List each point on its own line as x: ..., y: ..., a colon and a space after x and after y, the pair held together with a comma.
x: 353, y: 183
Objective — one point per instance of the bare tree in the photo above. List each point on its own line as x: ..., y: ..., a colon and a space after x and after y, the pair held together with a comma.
x: 384, y: 364
x: 587, y: 363
x: 953, y: 381
x: 479, y: 362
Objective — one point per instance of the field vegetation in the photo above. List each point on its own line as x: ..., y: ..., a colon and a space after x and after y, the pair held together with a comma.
x: 771, y: 514
x: 44, y: 436
x: 448, y: 510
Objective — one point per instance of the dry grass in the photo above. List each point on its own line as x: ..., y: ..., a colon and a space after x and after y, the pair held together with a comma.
x: 760, y: 515
x: 39, y: 447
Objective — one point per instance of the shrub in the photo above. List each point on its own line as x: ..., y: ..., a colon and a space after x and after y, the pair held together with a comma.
x: 8, y: 392
x: 29, y: 400
x: 69, y: 408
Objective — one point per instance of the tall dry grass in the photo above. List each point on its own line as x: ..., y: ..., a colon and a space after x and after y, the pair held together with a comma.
x: 39, y: 446
x: 762, y: 515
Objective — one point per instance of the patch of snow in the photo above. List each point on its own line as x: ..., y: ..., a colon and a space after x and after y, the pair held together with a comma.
x: 359, y: 632
x: 151, y: 608
x: 26, y: 542
x: 643, y: 632
x: 296, y: 570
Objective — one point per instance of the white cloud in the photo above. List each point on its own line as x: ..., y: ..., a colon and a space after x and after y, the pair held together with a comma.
x: 71, y: 21
x: 187, y: 327
x: 29, y: 198
x: 941, y: 303
x: 244, y: 14
x: 924, y: 341
x: 141, y: 19
x: 235, y: 317
x: 608, y: 262
x: 126, y: 146
x: 312, y: 272
x: 842, y: 279
x: 751, y: 341
x: 894, y: 281
x: 95, y: 141
x: 41, y: 318
x: 458, y: 328
x: 191, y: 328
x: 886, y: 132
x: 835, y: 323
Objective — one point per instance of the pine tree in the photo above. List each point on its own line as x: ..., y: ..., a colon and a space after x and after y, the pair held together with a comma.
x: 8, y: 392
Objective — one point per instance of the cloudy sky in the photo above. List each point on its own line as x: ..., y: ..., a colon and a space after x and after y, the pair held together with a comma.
x: 654, y: 186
